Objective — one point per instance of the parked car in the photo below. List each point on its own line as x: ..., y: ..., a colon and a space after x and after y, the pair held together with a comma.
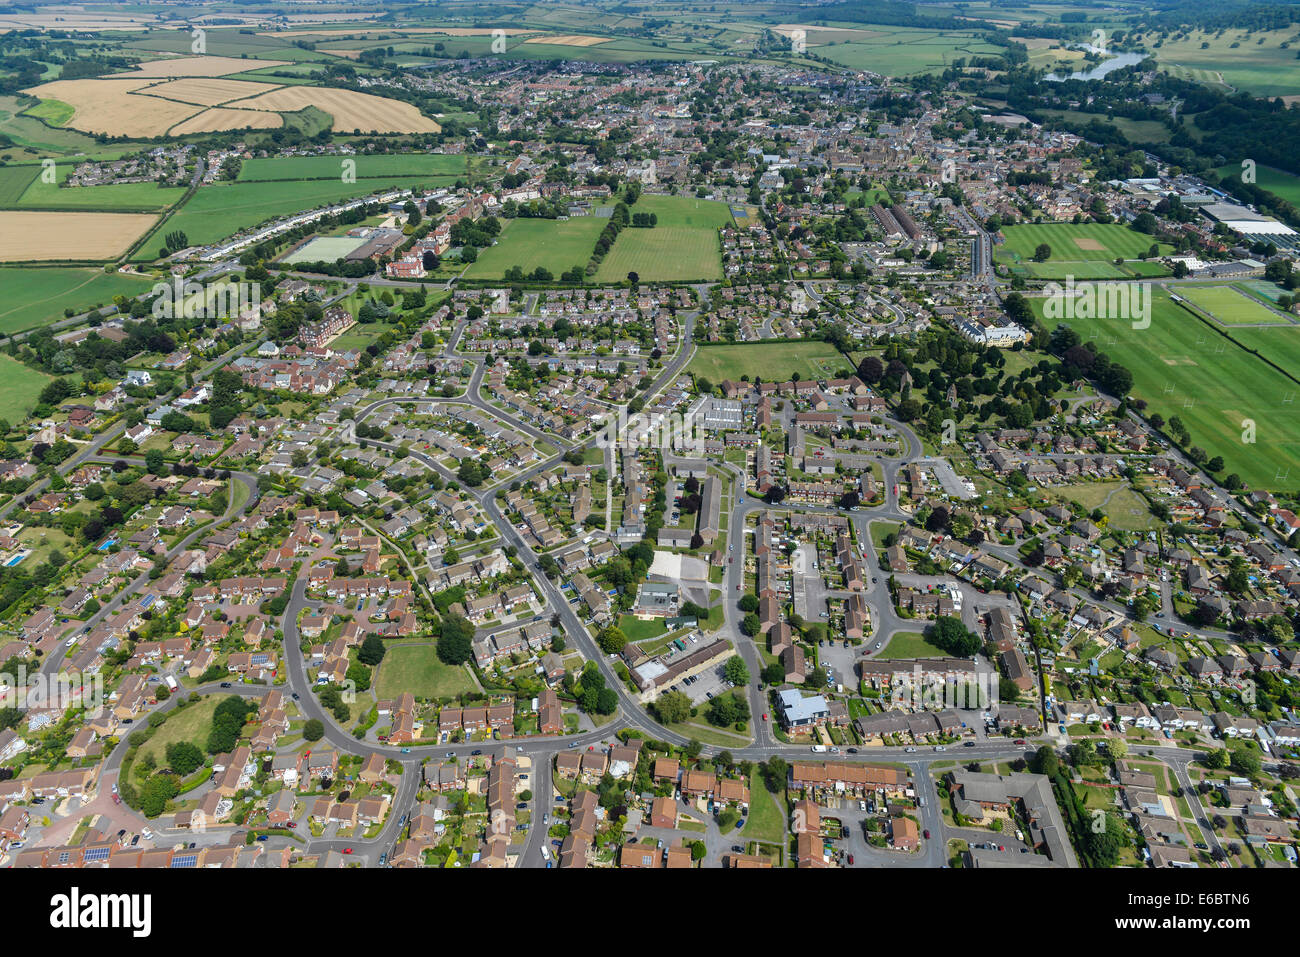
x: 347, y: 850
x: 926, y: 832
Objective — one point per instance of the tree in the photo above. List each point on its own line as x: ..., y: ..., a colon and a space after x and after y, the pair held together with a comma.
x: 456, y: 643
x: 750, y: 624
x: 735, y: 671
x: 313, y: 730
x: 183, y: 757
x: 1042, y: 253
x: 953, y: 637
x: 748, y: 602
x: 611, y: 639
x: 774, y: 772
x: 372, y: 650
x: 154, y: 461
x: 673, y: 707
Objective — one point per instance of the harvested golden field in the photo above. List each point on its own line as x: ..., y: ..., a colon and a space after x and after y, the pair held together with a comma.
x: 207, y: 91
x: 111, y: 107
x: 219, y: 118
x: 352, y: 111
x: 569, y: 40
x: 33, y: 236
x: 445, y: 31
x: 201, y: 66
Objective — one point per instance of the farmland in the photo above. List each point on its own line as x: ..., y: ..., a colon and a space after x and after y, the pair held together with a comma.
x: 1181, y: 367
x: 684, y: 245
x: 1257, y: 62
x: 34, y: 297
x: 529, y: 243
x: 774, y: 361
x: 352, y: 111
x: 124, y: 196
x: 1280, y: 184
x: 29, y: 236
x: 367, y: 167
x: 222, y: 209
x: 14, y: 181
x: 1085, y: 251
x: 901, y: 51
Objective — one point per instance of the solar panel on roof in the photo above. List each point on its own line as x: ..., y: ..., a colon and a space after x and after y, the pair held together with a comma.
x: 186, y: 860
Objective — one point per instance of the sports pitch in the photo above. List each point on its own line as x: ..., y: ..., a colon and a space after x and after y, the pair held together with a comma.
x: 1230, y: 306
x: 1183, y: 368
x: 557, y: 245
x: 1085, y: 250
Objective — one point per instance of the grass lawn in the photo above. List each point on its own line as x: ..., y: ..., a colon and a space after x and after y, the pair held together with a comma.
x: 1123, y: 507
x: 1085, y: 251
x: 766, y: 819
x: 639, y: 629
x: 1255, y: 62
x: 125, y: 196
x: 774, y: 361
x: 557, y: 245
x: 19, y: 388
x: 1182, y: 367
x: 416, y: 668
x: 191, y: 723
x: 684, y: 244
x: 910, y: 644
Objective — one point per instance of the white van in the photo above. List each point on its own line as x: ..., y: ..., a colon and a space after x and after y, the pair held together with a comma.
x: 818, y: 748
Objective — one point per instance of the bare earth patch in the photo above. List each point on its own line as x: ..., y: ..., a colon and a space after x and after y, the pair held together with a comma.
x: 1087, y: 242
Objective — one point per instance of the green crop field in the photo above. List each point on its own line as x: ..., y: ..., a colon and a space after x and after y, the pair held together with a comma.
x: 684, y: 245
x: 443, y: 168
x: 773, y: 361
x: 223, y: 209
x: 19, y: 388
x: 1230, y: 306
x: 34, y: 297
x: 901, y: 51
x: 1085, y: 251
x: 1182, y: 367
x: 553, y: 244
x: 14, y: 181
x: 1277, y: 182
x: 125, y: 196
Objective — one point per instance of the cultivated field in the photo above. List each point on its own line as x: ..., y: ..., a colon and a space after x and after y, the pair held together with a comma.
x: 528, y: 243
x: 201, y: 66
x: 220, y: 118
x: 367, y: 167
x: 684, y: 245
x: 34, y: 297
x: 569, y: 41
x: 1277, y: 182
x: 902, y: 51
x: 28, y: 236
x: 771, y: 361
x: 352, y: 111
x: 1183, y: 367
x: 1085, y: 251
x: 14, y: 181
x: 109, y: 106
x: 1230, y: 306
x: 223, y: 209
x: 208, y: 91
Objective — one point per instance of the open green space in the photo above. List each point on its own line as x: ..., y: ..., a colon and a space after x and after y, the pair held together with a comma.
x: 14, y: 181
x: 1262, y: 63
x: 417, y: 669
x: 910, y: 644
x: 773, y: 361
x: 19, y: 388
x: 553, y: 244
x: 684, y: 244
x: 192, y: 723
x: 31, y: 297
x: 1182, y: 367
x: 1279, y: 183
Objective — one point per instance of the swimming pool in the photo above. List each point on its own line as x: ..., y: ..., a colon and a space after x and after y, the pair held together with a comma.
x: 15, y: 560
x: 107, y: 544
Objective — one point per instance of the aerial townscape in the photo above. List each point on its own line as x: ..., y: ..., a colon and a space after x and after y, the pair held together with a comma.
x: 592, y: 434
